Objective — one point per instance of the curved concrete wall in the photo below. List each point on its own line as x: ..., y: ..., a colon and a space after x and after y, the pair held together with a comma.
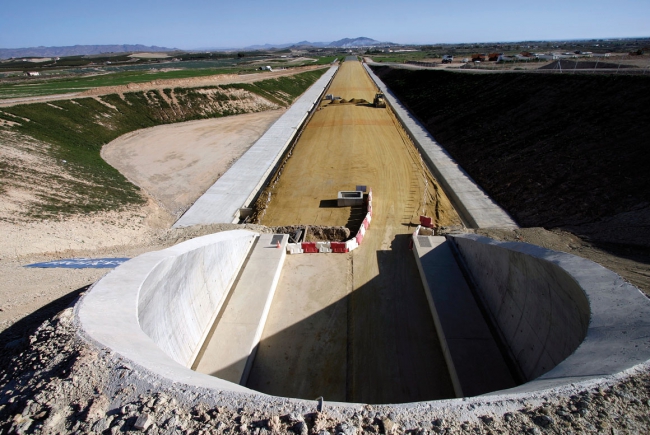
x: 157, y: 308
x: 181, y: 297
x: 165, y: 292
x: 564, y: 318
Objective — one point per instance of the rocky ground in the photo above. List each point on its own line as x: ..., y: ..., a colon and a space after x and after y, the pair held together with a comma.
x: 59, y: 383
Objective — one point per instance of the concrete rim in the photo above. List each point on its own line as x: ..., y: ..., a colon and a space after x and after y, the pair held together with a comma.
x: 620, y: 321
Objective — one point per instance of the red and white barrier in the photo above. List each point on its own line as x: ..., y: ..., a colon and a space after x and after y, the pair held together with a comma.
x: 309, y: 247
x: 294, y: 248
x: 426, y: 221
x: 336, y: 247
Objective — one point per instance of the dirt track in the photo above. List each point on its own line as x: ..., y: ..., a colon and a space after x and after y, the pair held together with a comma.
x: 393, y: 354
x: 177, y: 163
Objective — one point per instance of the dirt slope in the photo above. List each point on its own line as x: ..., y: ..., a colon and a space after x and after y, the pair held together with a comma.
x: 177, y: 163
x: 561, y: 151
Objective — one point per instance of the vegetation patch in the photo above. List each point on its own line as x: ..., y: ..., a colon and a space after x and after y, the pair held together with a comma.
x: 75, y: 131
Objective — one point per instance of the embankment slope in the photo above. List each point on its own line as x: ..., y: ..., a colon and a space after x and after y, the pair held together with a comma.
x: 556, y: 151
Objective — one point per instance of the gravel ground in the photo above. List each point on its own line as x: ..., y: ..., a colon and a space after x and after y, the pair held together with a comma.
x: 59, y: 383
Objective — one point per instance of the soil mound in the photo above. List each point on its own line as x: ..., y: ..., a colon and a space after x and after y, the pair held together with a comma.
x: 556, y: 151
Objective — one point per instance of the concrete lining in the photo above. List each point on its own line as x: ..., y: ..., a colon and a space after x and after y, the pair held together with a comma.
x: 473, y: 205
x: 231, y: 349
x: 566, y: 319
x: 242, y: 182
x: 134, y: 297
x: 156, y: 308
x: 463, y: 332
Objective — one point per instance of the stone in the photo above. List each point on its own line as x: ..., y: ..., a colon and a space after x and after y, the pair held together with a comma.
x: 543, y: 420
x: 389, y: 426
x: 143, y: 422
x: 102, y: 424
x: 301, y: 428
x: 274, y: 423
x: 486, y: 419
x: 346, y: 429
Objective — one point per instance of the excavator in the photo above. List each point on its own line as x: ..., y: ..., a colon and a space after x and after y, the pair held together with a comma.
x: 380, y: 100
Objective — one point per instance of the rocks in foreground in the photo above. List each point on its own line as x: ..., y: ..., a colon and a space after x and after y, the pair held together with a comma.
x: 60, y: 384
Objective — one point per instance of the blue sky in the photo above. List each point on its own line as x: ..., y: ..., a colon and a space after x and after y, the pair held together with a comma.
x: 200, y: 23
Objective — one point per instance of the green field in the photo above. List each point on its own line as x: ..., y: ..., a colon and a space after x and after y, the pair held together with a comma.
x: 400, y: 57
x: 77, y: 129
x: 62, y: 85
x: 79, y: 84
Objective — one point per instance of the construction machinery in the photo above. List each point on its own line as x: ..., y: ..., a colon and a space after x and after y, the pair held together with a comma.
x: 380, y: 100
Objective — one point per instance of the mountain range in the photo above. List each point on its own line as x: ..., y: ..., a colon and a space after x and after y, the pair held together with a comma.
x: 81, y: 50
x: 361, y: 41
x: 76, y: 50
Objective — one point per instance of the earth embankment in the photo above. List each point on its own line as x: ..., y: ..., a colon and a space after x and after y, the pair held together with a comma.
x: 561, y: 151
x: 71, y: 134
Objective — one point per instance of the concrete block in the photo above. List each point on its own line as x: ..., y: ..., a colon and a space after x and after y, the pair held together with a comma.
x: 349, y: 198
x: 231, y: 349
x: 461, y: 327
x: 116, y: 310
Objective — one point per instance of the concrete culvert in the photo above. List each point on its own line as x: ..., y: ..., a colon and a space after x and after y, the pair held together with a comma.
x: 129, y: 312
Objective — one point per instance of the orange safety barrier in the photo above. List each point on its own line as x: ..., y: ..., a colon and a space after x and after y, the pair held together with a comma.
x: 309, y: 248
x: 338, y: 247
x: 359, y: 237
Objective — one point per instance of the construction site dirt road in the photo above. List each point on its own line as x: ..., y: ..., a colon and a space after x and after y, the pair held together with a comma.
x: 353, y: 327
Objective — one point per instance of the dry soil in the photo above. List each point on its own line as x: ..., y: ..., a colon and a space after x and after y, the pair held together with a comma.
x: 177, y: 163
x: 391, y: 351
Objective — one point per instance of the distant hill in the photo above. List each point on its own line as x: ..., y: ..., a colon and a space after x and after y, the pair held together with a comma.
x: 76, y: 50
x: 361, y: 41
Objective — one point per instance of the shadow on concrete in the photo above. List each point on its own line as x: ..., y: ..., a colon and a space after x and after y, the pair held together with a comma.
x: 376, y: 345
x: 15, y: 339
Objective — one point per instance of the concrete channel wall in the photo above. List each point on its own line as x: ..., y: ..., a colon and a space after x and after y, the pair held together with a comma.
x: 152, y: 310
x: 239, y: 186
x: 541, y: 311
x: 156, y: 309
x: 181, y: 296
x: 473, y: 205
x: 564, y: 318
